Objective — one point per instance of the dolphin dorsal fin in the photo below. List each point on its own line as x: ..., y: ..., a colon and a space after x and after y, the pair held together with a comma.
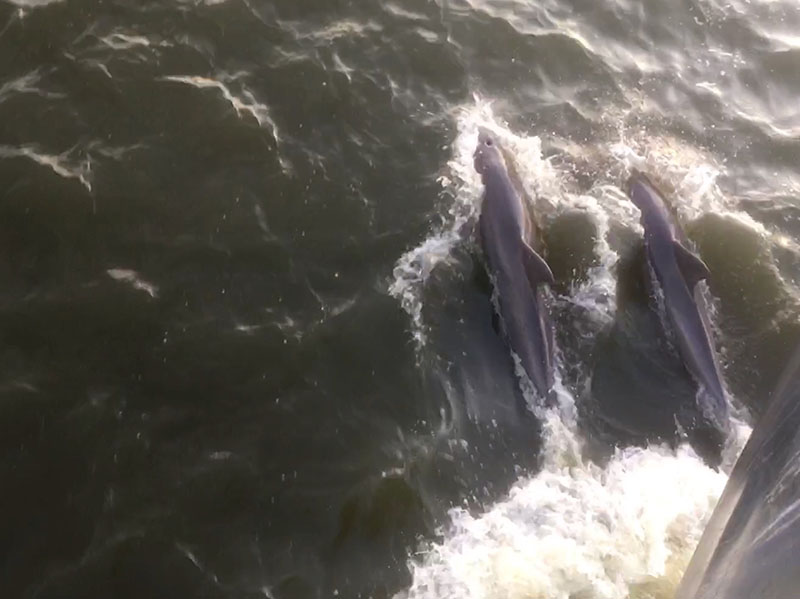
x: 536, y: 268
x: 692, y: 267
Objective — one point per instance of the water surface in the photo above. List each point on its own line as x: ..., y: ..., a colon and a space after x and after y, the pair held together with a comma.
x: 247, y: 338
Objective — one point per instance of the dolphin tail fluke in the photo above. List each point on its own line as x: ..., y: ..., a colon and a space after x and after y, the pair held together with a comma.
x: 692, y: 267
x: 535, y: 267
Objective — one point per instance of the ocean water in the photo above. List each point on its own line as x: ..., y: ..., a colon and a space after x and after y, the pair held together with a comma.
x: 247, y: 335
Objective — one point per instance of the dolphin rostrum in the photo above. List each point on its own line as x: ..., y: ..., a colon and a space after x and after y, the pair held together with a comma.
x: 678, y: 272
x: 507, y: 235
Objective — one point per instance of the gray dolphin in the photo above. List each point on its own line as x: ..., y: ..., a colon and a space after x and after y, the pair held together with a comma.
x: 507, y: 233
x: 678, y: 271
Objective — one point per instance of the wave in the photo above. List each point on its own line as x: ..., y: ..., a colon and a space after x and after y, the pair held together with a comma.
x: 26, y: 84
x: 63, y: 165
x: 243, y: 103
x: 133, y: 278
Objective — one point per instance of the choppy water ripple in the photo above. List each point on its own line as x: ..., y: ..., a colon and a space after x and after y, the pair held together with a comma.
x: 247, y: 339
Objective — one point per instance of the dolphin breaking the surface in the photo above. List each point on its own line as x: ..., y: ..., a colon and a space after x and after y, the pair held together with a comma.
x: 508, y: 236
x: 678, y: 272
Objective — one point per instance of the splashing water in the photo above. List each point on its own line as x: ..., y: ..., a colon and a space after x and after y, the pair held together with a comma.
x: 576, y: 529
x: 626, y: 529
x: 579, y: 531
x: 692, y: 173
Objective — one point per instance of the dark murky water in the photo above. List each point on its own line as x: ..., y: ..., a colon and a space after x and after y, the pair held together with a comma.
x: 218, y: 378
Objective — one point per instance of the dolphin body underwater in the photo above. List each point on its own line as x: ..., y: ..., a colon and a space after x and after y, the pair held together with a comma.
x: 508, y: 236
x: 678, y: 272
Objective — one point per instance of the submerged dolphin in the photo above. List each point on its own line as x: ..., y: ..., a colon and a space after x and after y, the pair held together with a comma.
x: 507, y: 233
x: 678, y: 271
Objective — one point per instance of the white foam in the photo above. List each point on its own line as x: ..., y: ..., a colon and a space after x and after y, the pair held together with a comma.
x: 692, y: 172
x: 578, y: 531
x: 133, y: 278
x: 694, y: 175
x: 597, y: 294
x: 621, y: 531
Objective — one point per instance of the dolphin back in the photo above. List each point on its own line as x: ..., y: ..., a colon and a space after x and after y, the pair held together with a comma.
x: 506, y: 233
x: 679, y: 270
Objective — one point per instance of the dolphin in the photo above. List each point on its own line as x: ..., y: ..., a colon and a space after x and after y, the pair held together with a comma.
x: 507, y: 236
x: 678, y: 271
